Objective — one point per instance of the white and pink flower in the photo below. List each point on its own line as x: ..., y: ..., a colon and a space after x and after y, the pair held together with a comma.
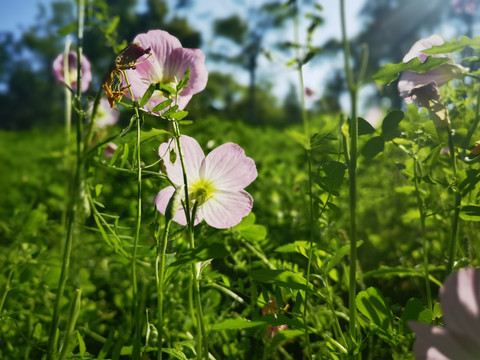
x: 440, y: 75
x: 167, y: 65
x: 71, y: 81
x: 215, y: 183
x: 459, y: 339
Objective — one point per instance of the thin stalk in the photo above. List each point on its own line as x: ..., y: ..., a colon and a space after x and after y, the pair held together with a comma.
x: 72, y: 319
x: 352, y: 175
x: 159, y: 276
x: 452, y: 248
x: 306, y: 127
x: 71, y: 211
x: 421, y: 210
x: 136, y: 304
x: 7, y: 289
x: 202, y: 341
x: 68, y: 98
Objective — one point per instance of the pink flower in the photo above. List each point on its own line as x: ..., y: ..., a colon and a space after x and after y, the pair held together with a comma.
x: 110, y: 150
x: 72, y: 71
x: 459, y: 339
x: 215, y: 182
x: 167, y: 66
x: 440, y: 75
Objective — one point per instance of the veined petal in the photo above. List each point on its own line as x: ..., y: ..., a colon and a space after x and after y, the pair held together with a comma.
x: 161, y: 43
x: 229, y: 168
x: 179, y: 61
x: 226, y: 209
x: 460, y: 299
x: 436, y: 343
x: 193, y: 157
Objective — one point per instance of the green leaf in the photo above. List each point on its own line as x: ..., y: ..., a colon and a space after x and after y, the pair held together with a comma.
x: 283, y: 278
x: 454, y: 46
x: 331, y: 176
x: 81, y: 345
x: 371, y: 303
x: 175, y: 353
x: 147, y: 95
x: 179, y: 115
x: 184, y: 82
x: 162, y: 105
x: 339, y: 255
x: 152, y: 134
x: 415, y: 310
x: 249, y: 230
x: 202, y: 253
x: 238, y: 323
x: 298, y: 246
x: 470, y: 213
x: 389, y: 72
x: 37, y: 331
x: 124, y: 155
x: 373, y: 147
x: 364, y: 127
x: 390, y: 124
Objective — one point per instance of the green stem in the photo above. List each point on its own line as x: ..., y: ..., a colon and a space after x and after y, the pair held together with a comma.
x: 306, y: 126
x: 202, y: 341
x: 352, y: 175
x: 159, y: 275
x: 71, y: 210
x: 421, y: 210
x: 75, y: 305
x: 452, y: 248
x: 136, y: 304
x: 7, y: 289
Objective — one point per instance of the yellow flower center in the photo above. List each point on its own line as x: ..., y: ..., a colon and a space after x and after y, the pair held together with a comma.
x: 200, y: 191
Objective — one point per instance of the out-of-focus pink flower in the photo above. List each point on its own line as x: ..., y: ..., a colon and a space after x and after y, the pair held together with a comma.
x: 105, y: 115
x: 440, y: 75
x: 459, y: 339
x: 72, y: 71
x: 167, y: 65
x: 464, y: 6
x: 215, y: 182
x: 110, y: 150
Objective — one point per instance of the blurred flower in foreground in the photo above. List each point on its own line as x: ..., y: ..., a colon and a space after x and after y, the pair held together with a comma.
x: 464, y: 6
x: 440, y: 75
x: 72, y: 71
x: 110, y: 150
x: 167, y: 67
x: 105, y: 115
x: 215, y: 182
x: 459, y: 339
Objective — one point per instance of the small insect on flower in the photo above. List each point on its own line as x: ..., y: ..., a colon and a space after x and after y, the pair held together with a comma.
x: 127, y: 59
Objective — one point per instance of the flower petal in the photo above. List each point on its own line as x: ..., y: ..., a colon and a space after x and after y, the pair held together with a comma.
x: 423, y: 44
x: 460, y: 299
x: 229, y: 168
x: 179, y: 61
x: 160, y: 42
x: 193, y: 157
x: 161, y: 202
x: 409, y: 80
x: 226, y: 209
x: 436, y: 343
